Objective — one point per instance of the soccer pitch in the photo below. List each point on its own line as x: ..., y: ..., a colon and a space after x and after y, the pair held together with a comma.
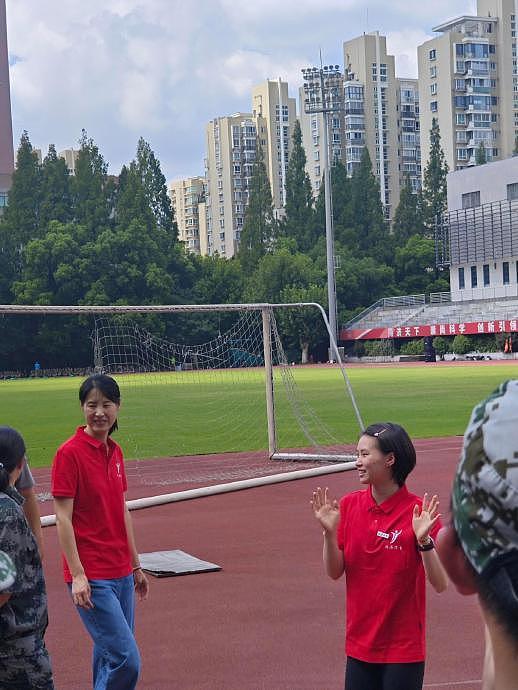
x: 197, y: 414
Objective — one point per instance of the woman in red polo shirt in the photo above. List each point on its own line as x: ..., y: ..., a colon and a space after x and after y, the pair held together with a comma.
x: 382, y: 539
x: 101, y: 563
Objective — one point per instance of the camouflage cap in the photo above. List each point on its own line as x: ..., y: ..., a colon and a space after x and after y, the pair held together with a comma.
x: 7, y: 571
x: 485, y: 488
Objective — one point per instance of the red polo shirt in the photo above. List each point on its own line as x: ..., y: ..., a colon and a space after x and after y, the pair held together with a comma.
x: 93, y: 475
x: 385, y: 578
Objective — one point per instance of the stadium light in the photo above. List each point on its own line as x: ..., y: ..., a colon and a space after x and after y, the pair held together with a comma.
x: 322, y: 89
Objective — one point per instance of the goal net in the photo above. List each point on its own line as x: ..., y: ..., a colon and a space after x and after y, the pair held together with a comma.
x: 184, y: 393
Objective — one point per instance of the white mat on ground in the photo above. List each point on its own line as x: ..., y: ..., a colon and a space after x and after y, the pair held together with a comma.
x: 176, y: 562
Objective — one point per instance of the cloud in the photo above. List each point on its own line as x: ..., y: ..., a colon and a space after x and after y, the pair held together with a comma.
x: 164, y: 68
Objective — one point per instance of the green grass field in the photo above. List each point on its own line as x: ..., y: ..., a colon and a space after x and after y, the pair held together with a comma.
x: 194, y: 414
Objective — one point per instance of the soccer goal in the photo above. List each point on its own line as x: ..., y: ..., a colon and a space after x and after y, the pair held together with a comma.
x: 203, y: 379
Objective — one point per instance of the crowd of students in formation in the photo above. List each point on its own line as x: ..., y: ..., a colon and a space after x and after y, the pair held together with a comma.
x: 387, y: 542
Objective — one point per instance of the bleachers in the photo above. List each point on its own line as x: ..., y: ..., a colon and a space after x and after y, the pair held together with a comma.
x: 381, y: 314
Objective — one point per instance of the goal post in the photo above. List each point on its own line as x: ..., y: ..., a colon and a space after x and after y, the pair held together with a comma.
x: 186, y: 376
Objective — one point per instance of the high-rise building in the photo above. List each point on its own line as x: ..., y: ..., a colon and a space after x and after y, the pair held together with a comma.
x: 188, y: 201
x: 231, y: 150
x: 468, y: 81
x: 371, y: 78
x: 231, y: 146
x: 6, y: 126
x: 373, y: 101
x: 70, y: 158
x: 409, y: 151
x: 275, y: 114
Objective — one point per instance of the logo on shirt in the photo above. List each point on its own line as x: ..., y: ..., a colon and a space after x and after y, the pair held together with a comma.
x: 391, y: 538
x: 118, y: 466
x: 394, y: 535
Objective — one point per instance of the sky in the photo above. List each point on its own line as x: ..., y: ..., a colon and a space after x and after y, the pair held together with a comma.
x: 161, y: 69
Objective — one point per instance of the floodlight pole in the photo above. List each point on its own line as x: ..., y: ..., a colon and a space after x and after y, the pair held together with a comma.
x: 320, y: 86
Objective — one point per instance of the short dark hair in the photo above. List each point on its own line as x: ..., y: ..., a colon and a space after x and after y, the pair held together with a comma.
x: 498, y: 591
x: 107, y: 386
x: 392, y: 438
x: 12, y: 452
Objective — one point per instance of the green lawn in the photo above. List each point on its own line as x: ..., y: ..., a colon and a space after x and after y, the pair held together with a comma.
x: 201, y: 412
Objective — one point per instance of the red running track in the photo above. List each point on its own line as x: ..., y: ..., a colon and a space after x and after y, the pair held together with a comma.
x: 270, y: 620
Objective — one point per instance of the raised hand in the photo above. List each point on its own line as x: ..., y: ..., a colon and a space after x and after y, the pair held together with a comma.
x: 325, y: 510
x: 425, y: 517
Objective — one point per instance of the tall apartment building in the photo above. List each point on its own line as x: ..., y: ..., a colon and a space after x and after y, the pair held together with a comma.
x: 468, y: 81
x: 368, y: 67
x: 373, y: 101
x: 188, y: 202
x: 230, y: 145
x: 276, y: 111
x: 70, y: 158
x: 409, y: 133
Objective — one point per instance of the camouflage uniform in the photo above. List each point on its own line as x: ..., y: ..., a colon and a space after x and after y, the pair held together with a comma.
x: 485, y: 489
x: 7, y: 571
x: 24, y: 661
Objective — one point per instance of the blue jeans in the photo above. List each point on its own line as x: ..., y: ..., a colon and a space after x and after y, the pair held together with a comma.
x: 116, y: 658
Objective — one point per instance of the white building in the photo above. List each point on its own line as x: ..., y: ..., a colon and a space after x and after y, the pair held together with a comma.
x: 479, y: 238
x: 187, y: 199
x: 468, y: 81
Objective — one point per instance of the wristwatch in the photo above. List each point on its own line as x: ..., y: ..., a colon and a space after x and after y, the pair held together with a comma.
x: 430, y: 544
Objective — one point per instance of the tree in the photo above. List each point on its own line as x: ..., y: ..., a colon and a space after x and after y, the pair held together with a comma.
x: 299, y: 219
x: 408, y: 218
x: 21, y: 220
x: 480, y: 154
x: 92, y: 191
x: 415, y: 265
x: 305, y: 324
x: 372, y: 238
x: 56, y: 197
x: 434, y: 180
x: 155, y: 188
x: 341, y: 190
x: 259, y: 225
x: 22, y: 215
x: 279, y: 270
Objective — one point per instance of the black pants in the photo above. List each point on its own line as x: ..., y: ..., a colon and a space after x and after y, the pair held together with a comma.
x: 361, y: 675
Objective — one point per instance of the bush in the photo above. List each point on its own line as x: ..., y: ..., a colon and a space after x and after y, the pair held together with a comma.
x: 442, y: 345
x: 379, y: 348
x: 461, y: 344
x: 412, y: 347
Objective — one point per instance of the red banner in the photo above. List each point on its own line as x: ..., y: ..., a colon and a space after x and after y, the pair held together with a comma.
x: 470, y: 328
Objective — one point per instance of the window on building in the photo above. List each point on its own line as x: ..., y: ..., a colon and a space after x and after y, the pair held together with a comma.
x: 474, y: 278
x: 462, y: 283
x: 485, y: 273
x: 433, y: 106
x: 512, y: 191
x: 433, y: 71
x: 432, y: 54
x: 471, y: 199
x: 505, y: 272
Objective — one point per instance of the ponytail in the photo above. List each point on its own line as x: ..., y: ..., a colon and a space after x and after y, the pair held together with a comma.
x: 12, y: 452
x: 4, y: 477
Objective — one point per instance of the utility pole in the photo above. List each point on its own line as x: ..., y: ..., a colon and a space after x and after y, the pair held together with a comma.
x: 323, y: 93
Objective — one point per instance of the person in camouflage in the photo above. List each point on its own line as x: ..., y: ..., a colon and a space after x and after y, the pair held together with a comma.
x: 24, y: 661
x: 479, y: 548
x: 7, y: 571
